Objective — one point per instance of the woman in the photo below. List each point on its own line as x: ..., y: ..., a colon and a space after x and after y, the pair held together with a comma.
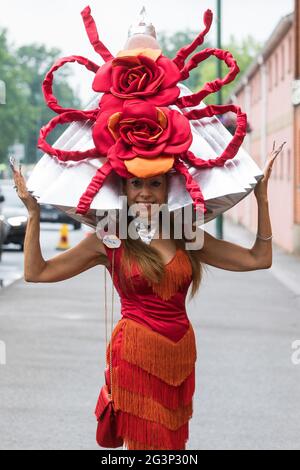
x: 154, y: 349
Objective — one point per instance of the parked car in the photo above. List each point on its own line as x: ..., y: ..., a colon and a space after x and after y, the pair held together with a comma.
x: 15, y: 215
x: 2, y: 233
x: 51, y: 214
x: 3, y: 226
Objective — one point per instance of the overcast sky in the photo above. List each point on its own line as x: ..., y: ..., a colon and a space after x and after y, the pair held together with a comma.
x: 58, y: 23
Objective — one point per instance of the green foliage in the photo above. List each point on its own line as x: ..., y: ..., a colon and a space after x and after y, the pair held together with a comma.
x: 244, y: 53
x: 23, y: 71
x: 171, y: 44
x: 12, y: 114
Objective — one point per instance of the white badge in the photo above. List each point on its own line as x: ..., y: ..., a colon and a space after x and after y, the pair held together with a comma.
x: 111, y: 241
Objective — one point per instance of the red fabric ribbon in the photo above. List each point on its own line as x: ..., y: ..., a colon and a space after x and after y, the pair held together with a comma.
x: 92, y: 33
x: 93, y: 188
x: 184, y: 52
x: 234, y: 145
x: 64, y: 155
x: 50, y: 99
x: 211, y: 87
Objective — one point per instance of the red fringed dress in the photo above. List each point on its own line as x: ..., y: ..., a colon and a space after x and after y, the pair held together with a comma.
x: 154, y: 355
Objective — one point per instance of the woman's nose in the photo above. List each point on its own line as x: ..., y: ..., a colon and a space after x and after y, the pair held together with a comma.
x: 145, y: 192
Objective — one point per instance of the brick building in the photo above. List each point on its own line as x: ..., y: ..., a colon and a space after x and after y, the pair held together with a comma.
x: 269, y: 92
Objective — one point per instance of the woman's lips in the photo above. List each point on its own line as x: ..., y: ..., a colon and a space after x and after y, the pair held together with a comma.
x: 146, y: 203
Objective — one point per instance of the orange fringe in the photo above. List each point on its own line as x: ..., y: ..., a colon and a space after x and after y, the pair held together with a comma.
x: 158, y: 417
x: 137, y: 380
x: 147, y: 434
x: 149, y: 409
x: 177, y: 273
x: 134, y: 445
x: 171, y: 362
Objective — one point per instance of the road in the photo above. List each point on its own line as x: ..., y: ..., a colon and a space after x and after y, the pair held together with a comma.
x: 11, y: 266
x: 247, y: 394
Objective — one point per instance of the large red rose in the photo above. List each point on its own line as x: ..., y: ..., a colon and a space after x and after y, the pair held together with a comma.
x: 139, y: 75
x: 142, y: 129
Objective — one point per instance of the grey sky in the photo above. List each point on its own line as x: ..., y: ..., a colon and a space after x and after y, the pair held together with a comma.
x: 58, y: 22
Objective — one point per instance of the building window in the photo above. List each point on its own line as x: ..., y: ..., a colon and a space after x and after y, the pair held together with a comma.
x: 289, y: 165
x: 276, y: 70
x: 296, y: 161
x: 290, y: 54
x: 270, y: 75
x: 282, y: 61
x: 282, y: 158
x: 253, y: 90
x: 275, y: 170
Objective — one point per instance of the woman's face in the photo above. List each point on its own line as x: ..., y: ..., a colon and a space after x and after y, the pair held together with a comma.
x: 147, y: 191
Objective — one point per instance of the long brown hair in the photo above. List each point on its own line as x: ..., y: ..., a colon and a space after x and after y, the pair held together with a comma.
x: 149, y: 261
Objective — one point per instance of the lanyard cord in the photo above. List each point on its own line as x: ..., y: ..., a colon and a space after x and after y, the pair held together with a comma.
x: 112, y: 318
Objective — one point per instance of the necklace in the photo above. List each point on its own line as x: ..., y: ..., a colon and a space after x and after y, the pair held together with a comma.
x: 146, y: 231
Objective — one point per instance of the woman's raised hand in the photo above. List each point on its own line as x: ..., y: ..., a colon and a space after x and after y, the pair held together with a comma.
x: 261, y: 189
x: 29, y: 201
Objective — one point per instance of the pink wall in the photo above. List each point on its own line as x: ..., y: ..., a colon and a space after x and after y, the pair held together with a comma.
x: 279, y: 125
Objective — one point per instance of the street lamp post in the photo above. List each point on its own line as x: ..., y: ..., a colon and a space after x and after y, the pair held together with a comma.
x: 2, y: 92
x: 219, y: 220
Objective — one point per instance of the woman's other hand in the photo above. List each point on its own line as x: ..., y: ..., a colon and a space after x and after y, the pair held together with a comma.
x: 261, y: 189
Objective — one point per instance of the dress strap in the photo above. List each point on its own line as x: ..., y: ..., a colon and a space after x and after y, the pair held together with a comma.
x: 114, y: 254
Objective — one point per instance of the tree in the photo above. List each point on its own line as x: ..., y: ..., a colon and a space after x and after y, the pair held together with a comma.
x: 34, y: 62
x: 23, y: 71
x: 171, y: 44
x: 12, y: 124
x: 244, y: 53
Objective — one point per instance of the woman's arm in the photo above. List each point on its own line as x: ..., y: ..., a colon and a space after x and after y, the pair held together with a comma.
x: 233, y: 257
x: 34, y: 262
x: 88, y: 253
x: 85, y: 255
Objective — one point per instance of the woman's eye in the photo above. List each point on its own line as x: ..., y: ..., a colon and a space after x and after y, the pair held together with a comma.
x: 156, y: 183
x: 136, y: 183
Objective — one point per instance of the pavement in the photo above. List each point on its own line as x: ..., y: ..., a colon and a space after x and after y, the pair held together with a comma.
x: 11, y: 265
x: 247, y: 393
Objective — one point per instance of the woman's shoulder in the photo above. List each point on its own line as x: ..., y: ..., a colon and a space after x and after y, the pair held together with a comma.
x: 112, y: 246
x: 95, y: 243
